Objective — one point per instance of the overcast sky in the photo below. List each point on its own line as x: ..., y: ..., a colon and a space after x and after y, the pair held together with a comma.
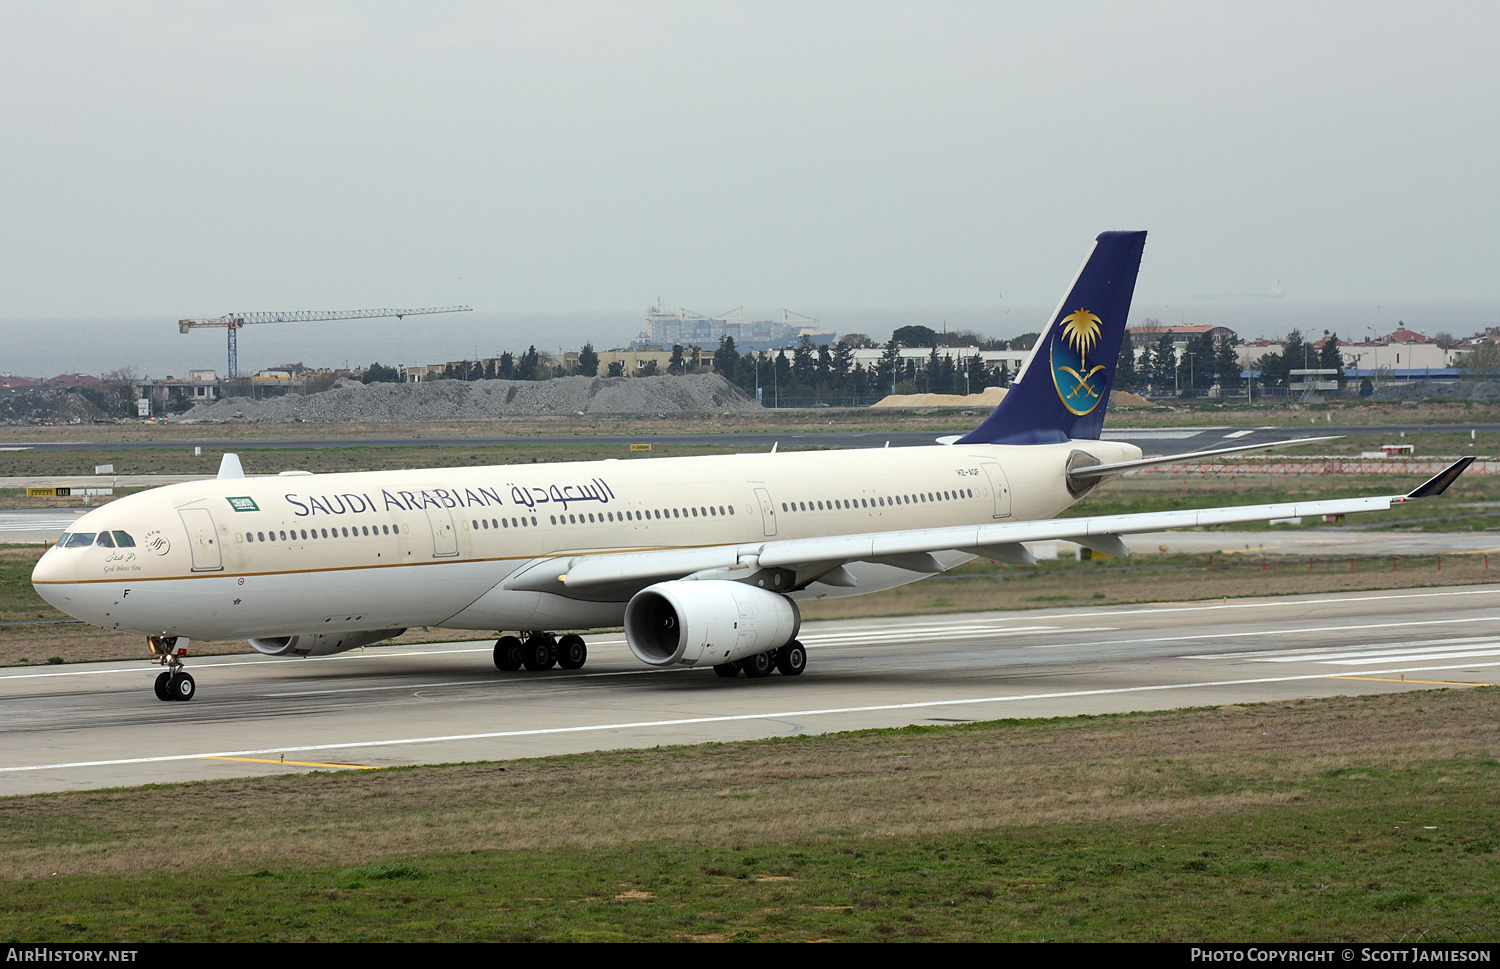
x: 194, y: 158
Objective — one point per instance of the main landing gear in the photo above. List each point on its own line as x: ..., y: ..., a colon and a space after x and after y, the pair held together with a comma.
x: 174, y: 683
x: 540, y: 651
x: 790, y: 659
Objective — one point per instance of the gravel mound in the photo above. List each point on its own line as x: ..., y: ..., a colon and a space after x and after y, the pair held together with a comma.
x: 1475, y: 390
x: 46, y: 405
x: 444, y: 400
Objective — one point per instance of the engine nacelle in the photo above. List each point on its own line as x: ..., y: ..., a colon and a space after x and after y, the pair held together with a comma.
x: 707, y: 622
x: 322, y: 644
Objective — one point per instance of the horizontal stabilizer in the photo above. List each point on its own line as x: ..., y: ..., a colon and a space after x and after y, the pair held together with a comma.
x: 1100, y: 470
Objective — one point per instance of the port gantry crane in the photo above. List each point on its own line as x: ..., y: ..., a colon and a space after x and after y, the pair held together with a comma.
x: 233, y: 321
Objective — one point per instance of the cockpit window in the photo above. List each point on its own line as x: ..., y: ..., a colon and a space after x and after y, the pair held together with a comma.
x: 123, y: 539
x: 80, y: 539
x: 105, y: 540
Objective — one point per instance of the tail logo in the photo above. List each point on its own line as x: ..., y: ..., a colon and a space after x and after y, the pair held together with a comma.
x: 1079, y: 386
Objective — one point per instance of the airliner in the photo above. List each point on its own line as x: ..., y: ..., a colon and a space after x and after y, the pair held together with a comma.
x: 702, y: 560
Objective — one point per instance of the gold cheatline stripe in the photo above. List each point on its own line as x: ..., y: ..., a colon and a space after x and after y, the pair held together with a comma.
x: 393, y: 565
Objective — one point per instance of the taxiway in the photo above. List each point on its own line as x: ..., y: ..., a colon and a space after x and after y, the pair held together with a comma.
x: 99, y: 725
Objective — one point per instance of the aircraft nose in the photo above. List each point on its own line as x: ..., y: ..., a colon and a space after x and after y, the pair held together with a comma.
x: 51, y: 576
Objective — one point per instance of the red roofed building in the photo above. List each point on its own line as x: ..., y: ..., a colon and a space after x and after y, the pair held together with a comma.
x: 73, y: 380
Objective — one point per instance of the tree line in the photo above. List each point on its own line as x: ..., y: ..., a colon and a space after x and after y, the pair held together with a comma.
x: 1203, y: 362
x: 813, y: 371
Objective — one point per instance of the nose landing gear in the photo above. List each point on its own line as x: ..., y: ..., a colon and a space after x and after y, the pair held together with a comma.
x: 174, y: 683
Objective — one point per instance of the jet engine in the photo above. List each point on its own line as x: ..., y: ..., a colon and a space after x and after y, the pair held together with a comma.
x: 322, y: 644
x: 707, y: 622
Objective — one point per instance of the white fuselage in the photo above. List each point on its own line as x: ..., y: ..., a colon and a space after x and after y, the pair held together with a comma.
x: 304, y: 554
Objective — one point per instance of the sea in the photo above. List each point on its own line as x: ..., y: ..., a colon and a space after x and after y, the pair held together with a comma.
x: 152, y: 346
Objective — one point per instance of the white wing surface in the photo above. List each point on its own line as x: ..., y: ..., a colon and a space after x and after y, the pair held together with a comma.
x: 807, y: 560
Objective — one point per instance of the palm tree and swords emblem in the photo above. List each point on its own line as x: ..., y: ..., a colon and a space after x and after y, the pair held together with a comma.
x: 1081, y: 331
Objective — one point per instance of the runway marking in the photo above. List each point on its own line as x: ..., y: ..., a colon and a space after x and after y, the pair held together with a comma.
x: 1235, y: 434
x: 291, y: 763
x: 1414, y: 652
x: 1402, y: 657
x: 1300, y: 631
x: 1312, y: 652
x: 1371, y: 653
x: 1269, y: 603
x: 681, y: 722
x: 903, y: 633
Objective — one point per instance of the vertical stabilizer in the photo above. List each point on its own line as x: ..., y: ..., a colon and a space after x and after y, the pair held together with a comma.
x: 1063, y: 389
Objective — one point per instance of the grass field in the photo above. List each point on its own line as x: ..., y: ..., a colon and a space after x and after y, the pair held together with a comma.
x: 1363, y: 818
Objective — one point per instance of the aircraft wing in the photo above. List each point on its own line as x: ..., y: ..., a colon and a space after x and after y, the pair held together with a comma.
x: 801, y: 561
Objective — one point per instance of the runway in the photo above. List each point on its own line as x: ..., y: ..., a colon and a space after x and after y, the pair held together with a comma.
x: 100, y: 725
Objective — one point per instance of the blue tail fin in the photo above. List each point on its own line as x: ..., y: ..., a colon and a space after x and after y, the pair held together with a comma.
x: 1063, y: 390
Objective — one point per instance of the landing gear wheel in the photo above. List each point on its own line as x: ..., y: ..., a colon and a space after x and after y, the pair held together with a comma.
x: 727, y: 670
x: 759, y: 665
x: 508, y: 654
x: 572, y: 652
x: 181, y: 686
x: 791, y: 659
x: 539, y: 653
x: 172, y: 683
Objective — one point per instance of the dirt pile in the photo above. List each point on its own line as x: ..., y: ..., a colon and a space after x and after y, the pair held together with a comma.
x: 990, y: 397
x: 1480, y: 391
x: 441, y: 400
x: 47, y: 405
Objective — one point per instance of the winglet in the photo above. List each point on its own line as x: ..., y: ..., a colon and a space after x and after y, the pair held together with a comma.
x: 1438, y: 483
x: 230, y: 467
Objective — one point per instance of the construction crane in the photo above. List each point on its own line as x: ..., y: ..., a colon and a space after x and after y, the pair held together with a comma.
x: 233, y: 321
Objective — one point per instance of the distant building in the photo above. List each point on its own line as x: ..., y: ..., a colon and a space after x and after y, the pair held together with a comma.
x: 71, y: 380
x: 1180, y: 333
x: 665, y: 328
